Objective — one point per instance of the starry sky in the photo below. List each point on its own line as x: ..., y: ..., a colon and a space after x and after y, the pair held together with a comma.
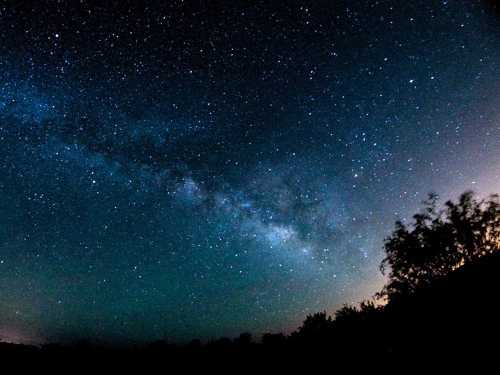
x: 199, y: 169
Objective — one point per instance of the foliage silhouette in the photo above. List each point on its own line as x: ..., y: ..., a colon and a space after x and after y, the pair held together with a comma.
x: 439, y: 301
x: 440, y: 241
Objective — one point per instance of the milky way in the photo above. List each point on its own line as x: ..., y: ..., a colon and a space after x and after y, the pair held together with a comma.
x: 199, y: 170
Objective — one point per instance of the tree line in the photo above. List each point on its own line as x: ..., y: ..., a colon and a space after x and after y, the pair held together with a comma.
x: 442, y: 280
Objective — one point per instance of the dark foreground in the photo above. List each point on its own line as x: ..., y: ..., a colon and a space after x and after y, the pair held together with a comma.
x: 456, y: 318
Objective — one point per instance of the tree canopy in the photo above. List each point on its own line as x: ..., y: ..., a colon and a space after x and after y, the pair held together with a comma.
x: 440, y: 241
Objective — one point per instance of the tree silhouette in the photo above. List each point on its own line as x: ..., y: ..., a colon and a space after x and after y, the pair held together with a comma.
x: 443, y: 271
x: 244, y: 339
x: 273, y: 339
x: 316, y: 330
x: 316, y: 323
x: 439, y: 242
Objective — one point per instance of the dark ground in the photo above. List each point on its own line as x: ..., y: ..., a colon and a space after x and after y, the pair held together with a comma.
x: 454, y: 320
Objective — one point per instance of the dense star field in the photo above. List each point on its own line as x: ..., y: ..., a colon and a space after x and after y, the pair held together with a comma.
x: 199, y: 169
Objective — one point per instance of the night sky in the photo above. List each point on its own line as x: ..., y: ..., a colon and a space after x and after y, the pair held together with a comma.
x: 200, y: 169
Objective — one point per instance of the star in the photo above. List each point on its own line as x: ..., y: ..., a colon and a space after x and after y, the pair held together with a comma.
x: 170, y: 173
